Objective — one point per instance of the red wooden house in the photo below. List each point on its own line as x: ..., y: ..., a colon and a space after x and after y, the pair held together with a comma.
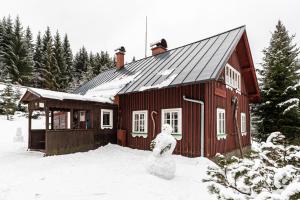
x: 191, y: 87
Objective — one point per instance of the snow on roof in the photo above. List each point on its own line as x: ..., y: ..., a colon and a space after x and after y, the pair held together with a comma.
x: 104, y: 93
x: 165, y: 83
x: 67, y: 96
x: 110, y: 89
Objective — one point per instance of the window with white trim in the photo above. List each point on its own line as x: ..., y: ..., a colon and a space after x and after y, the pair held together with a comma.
x: 140, y: 122
x: 221, y: 123
x: 106, y: 119
x: 173, y: 117
x: 243, y: 124
x: 232, y: 77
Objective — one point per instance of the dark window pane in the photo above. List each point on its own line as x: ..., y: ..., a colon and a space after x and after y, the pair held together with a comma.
x: 106, y: 119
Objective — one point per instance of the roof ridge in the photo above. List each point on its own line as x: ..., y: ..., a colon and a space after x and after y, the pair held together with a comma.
x: 189, y: 43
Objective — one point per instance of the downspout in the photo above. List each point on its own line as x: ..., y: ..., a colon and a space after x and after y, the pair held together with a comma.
x: 202, y: 121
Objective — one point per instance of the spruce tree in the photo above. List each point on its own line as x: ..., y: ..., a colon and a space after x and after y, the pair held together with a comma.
x: 5, y: 45
x: 102, y: 62
x: 1, y: 42
x: 30, y: 54
x: 106, y: 61
x: 279, y: 107
x: 90, y: 69
x: 61, y: 77
x: 3, y: 68
x: 49, y: 67
x: 97, y: 65
x: 68, y: 57
x: 21, y: 64
x: 37, y: 57
x: 81, y: 63
x: 8, y: 99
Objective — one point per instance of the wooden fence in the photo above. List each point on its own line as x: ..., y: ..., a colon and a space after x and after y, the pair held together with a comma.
x: 75, y: 140
x: 69, y: 141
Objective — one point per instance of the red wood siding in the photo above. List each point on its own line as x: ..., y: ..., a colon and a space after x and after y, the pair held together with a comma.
x: 213, y: 93
x: 156, y: 100
x: 214, y: 101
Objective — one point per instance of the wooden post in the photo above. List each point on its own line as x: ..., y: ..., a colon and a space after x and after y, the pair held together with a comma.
x: 52, y: 120
x: 71, y: 119
x: 29, y: 127
x: 235, y: 103
x: 47, y: 118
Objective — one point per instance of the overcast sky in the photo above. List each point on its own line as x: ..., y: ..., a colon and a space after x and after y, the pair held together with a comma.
x: 105, y: 25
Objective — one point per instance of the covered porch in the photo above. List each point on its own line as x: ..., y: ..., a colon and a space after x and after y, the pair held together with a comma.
x: 72, y: 123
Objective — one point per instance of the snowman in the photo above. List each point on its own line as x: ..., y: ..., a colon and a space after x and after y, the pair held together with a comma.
x: 18, y: 137
x: 161, y: 162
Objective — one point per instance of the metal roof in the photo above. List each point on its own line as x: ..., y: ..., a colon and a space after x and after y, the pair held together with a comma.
x: 195, y: 62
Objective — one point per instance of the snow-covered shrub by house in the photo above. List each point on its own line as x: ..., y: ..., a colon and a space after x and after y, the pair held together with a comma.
x: 160, y: 162
x: 272, y: 171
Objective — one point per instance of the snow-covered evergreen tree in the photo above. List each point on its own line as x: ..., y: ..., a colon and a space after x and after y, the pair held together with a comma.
x: 20, y: 63
x: 68, y: 57
x: 49, y: 67
x: 81, y: 63
x: 97, y: 69
x: 279, y: 108
x: 1, y: 50
x: 8, y: 99
x: 37, y: 57
x: 270, y: 172
x: 102, y: 62
x: 5, y: 45
x: 90, y: 68
x: 30, y: 54
x: 62, y: 76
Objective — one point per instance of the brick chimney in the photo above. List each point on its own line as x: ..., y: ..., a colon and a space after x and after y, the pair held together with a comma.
x: 120, y: 52
x: 159, y: 47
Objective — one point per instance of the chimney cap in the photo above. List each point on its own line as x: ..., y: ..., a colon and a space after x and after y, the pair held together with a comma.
x: 120, y: 49
x: 160, y: 43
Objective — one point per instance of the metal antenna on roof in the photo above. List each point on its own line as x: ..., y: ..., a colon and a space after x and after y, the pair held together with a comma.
x: 146, y: 33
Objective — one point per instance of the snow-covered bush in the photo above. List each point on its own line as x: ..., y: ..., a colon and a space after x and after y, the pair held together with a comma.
x: 272, y: 171
x: 160, y: 162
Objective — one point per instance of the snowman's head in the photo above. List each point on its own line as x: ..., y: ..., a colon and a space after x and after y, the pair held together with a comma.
x: 166, y: 128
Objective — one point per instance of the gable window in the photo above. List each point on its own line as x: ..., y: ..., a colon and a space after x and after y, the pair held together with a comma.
x: 106, y: 119
x: 140, y: 122
x: 232, y: 77
x: 221, y: 124
x: 173, y: 117
x: 243, y: 124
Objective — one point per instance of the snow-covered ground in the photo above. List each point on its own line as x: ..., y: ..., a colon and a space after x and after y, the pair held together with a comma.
x: 110, y: 172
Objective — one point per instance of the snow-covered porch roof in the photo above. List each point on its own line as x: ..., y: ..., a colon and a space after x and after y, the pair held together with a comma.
x: 33, y: 94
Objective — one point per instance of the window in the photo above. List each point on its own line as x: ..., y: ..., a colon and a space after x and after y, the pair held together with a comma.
x: 140, y: 122
x: 106, y: 118
x: 243, y: 124
x: 232, y: 77
x: 221, y: 128
x: 61, y: 120
x: 82, y: 116
x: 173, y: 117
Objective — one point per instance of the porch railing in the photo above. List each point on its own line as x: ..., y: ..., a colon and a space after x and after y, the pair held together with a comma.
x: 69, y: 141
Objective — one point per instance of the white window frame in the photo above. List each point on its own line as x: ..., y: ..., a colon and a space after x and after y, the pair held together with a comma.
x: 243, y: 124
x: 139, y: 132
x: 110, y: 126
x: 177, y: 135
x: 221, y: 130
x: 232, y: 77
